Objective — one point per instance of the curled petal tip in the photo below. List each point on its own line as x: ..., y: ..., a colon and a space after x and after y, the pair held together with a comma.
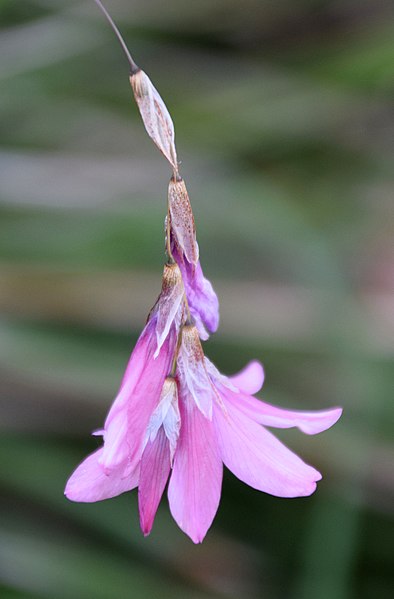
x: 311, y: 488
x: 250, y: 379
x: 320, y: 421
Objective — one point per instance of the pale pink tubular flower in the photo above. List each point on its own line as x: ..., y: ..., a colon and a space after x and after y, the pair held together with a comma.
x: 233, y: 435
x: 114, y: 468
x: 185, y: 427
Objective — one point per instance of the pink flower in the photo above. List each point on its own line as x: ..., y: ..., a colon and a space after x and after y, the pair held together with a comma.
x: 225, y: 427
x: 114, y: 468
x: 186, y: 428
x: 176, y: 418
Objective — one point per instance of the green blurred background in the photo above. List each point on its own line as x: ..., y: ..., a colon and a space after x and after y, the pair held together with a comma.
x: 285, y: 127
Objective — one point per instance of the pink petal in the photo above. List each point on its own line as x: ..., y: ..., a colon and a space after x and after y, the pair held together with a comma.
x: 202, y: 299
x: 250, y: 379
x: 155, y: 468
x: 134, y: 370
x: 89, y: 483
x: 310, y: 423
x: 128, y: 418
x: 195, y: 483
x: 257, y: 458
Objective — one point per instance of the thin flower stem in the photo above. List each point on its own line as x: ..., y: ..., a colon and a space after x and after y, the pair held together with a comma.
x: 133, y: 66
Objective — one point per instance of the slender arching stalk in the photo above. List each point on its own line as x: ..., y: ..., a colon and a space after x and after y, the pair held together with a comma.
x: 133, y: 66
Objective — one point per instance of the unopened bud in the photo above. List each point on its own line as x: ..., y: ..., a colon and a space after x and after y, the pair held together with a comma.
x: 155, y: 116
x: 182, y: 220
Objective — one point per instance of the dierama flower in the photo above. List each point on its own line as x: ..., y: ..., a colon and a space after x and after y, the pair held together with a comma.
x: 138, y: 396
x: 176, y: 419
x: 195, y: 423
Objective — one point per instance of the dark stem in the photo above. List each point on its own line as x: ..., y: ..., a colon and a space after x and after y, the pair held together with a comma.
x: 133, y: 66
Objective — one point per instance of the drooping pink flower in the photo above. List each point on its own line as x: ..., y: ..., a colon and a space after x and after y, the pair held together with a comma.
x: 233, y: 435
x: 184, y: 429
x: 175, y: 417
x: 115, y: 467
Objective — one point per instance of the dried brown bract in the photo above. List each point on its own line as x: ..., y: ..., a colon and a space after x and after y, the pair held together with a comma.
x: 182, y: 220
x: 155, y: 116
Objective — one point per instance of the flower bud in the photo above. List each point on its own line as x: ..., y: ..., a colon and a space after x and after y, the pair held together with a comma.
x: 182, y: 220
x: 155, y: 116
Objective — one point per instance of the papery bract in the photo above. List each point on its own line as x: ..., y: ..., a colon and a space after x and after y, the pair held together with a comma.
x: 155, y: 116
x: 182, y: 225
x: 192, y: 371
x: 168, y: 308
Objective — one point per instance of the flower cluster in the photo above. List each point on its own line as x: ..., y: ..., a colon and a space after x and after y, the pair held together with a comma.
x: 176, y: 419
